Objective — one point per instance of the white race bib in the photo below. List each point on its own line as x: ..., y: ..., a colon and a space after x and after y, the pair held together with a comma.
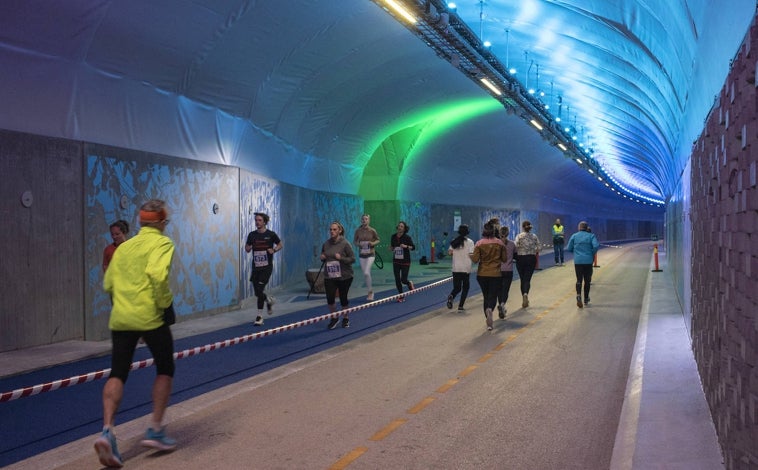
x: 365, y: 248
x: 398, y: 253
x: 260, y: 259
x: 333, y: 269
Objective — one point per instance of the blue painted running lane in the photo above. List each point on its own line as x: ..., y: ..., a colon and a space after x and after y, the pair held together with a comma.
x: 36, y: 424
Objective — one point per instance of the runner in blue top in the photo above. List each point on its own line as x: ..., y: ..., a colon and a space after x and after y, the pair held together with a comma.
x: 584, y: 245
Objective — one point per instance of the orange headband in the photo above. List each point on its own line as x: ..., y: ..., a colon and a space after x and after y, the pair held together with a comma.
x: 145, y: 216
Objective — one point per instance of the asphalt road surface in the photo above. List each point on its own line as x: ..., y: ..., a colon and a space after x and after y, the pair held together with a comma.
x: 544, y: 390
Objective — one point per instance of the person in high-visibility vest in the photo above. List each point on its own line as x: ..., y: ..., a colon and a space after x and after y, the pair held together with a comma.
x: 558, y: 241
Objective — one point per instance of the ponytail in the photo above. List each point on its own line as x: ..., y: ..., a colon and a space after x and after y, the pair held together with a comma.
x: 458, y: 242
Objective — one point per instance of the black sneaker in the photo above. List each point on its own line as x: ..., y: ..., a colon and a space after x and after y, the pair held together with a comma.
x: 258, y: 321
x: 586, y: 300
x: 501, y: 311
x: 345, y: 322
x: 450, y: 302
x: 333, y: 323
x: 579, y: 301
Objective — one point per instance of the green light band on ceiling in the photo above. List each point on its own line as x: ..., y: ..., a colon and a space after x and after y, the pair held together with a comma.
x: 382, y: 175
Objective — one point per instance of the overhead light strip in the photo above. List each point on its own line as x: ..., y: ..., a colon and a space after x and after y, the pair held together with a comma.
x: 491, y: 86
x: 400, y: 10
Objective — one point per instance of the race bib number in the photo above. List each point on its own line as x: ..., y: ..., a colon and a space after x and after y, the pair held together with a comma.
x: 333, y: 269
x: 260, y: 259
x: 365, y: 248
x: 398, y: 253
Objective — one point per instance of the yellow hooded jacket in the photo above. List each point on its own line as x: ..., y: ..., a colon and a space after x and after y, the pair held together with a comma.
x: 137, y: 281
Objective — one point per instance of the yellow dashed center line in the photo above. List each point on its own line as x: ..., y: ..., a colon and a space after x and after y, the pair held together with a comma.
x: 486, y: 357
x: 468, y: 370
x: 448, y: 385
x: 420, y: 406
x: 510, y: 338
x: 349, y: 458
x: 388, y: 429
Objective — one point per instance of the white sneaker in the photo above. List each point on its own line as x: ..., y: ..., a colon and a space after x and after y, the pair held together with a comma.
x: 258, y: 321
x: 370, y: 296
x: 270, y: 301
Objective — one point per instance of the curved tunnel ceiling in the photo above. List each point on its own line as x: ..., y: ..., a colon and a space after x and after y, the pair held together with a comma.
x: 326, y: 87
x: 622, y: 73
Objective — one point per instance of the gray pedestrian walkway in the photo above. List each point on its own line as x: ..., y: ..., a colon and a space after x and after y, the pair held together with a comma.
x: 665, y: 420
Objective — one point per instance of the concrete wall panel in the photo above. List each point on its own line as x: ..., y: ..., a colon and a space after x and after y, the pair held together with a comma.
x: 42, y: 279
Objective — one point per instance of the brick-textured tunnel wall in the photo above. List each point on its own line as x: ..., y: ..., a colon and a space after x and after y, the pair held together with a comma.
x: 724, y: 217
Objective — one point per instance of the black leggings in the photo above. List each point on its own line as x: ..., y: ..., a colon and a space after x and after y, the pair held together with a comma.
x: 526, y: 265
x: 260, y: 278
x: 490, y: 287
x: 159, y: 341
x: 401, y: 275
x: 583, y: 274
x: 461, y: 282
x: 507, y: 279
x: 332, y: 285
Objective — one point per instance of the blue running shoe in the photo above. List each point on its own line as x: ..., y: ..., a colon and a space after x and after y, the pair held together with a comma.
x: 107, y: 450
x: 158, y: 440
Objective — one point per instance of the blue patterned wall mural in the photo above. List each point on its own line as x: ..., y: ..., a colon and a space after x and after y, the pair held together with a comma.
x: 509, y: 218
x: 342, y: 208
x: 205, y: 269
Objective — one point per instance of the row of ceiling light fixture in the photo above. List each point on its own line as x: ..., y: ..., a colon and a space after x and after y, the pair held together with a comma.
x: 440, y: 27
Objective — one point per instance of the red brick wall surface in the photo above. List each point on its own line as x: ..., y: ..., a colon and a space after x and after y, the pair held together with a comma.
x: 725, y: 259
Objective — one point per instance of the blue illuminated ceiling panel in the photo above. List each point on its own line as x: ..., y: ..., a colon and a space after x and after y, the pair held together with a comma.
x: 632, y: 80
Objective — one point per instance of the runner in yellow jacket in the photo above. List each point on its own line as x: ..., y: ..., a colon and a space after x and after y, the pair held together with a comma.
x: 139, y: 286
x: 137, y: 280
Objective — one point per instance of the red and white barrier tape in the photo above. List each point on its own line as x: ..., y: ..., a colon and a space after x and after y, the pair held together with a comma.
x: 80, y: 379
